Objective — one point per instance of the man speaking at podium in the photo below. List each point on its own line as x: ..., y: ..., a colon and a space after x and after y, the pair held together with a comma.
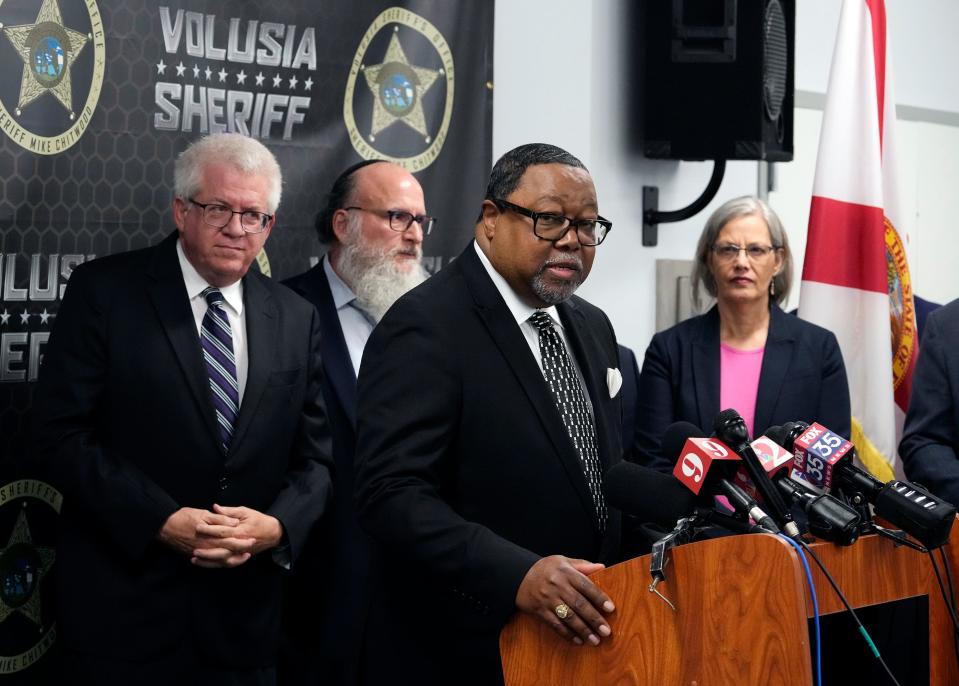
x: 488, y: 411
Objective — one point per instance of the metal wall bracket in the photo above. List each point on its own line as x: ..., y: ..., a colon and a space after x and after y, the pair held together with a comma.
x: 652, y: 217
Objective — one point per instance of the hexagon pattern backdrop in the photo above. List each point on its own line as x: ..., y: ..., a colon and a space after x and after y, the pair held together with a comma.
x: 97, y: 97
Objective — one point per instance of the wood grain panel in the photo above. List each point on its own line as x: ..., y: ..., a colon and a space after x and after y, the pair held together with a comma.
x: 742, y: 604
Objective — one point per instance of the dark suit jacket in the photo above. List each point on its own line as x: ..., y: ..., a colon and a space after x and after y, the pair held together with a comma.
x: 802, y: 378
x: 325, y: 597
x: 930, y: 441
x: 630, y: 372
x: 466, y: 475
x: 125, y: 428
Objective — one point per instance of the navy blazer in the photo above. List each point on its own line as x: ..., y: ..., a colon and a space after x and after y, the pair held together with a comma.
x: 930, y: 441
x: 630, y: 371
x: 325, y: 596
x: 802, y: 378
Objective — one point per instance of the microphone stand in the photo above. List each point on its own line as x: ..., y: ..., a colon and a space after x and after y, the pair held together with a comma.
x: 682, y: 533
x: 685, y: 530
x: 867, y: 525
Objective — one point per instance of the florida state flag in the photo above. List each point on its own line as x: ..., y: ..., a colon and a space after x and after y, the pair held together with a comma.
x: 856, y: 275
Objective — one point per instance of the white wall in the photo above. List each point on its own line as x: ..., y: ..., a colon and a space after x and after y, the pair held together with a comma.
x: 924, y: 50
x: 548, y: 90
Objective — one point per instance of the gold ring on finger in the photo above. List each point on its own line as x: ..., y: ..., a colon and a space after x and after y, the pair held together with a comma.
x: 562, y: 611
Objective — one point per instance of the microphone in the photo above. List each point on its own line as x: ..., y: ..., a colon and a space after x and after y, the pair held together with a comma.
x: 699, y: 461
x: 817, y: 451
x: 776, y: 461
x: 785, y: 435
x: 828, y: 518
x: 647, y: 494
x: 657, y: 498
x: 730, y: 428
x: 742, y: 502
x: 825, y: 459
x: 706, y: 467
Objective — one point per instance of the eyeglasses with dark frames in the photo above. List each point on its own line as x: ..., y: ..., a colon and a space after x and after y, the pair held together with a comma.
x: 400, y: 220
x: 218, y: 216
x: 552, y: 227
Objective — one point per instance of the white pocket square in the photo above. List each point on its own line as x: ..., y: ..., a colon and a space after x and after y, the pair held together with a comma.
x: 614, y: 381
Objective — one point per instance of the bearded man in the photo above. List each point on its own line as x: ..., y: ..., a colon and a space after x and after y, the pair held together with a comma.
x: 374, y: 222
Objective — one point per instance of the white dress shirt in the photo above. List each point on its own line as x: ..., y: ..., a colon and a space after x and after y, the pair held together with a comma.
x: 355, y: 325
x: 522, y: 312
x: 233, y: 305
x: 233, y: 295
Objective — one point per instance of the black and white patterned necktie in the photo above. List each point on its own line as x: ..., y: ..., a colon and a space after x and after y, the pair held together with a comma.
x: 573, y: 407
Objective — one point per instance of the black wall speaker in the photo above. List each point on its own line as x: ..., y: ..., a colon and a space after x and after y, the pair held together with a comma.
x: 719, y: 79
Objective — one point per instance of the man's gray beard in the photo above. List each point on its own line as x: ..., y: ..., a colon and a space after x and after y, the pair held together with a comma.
x: 553, y: 295
x: 375, y: 277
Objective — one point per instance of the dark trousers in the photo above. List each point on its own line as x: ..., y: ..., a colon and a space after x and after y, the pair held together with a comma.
x: 181, y: 668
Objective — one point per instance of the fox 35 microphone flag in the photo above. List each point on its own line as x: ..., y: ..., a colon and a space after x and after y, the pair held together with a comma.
x: 855, y: 278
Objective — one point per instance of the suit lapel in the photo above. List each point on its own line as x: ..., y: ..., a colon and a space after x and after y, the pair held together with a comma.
x: 261, y: 336
x: 336, y: 356
x: 512, y: 345
x: 706, y: 369
x: 776, y: 359
x: 169, y: 297
x: 585, y: 348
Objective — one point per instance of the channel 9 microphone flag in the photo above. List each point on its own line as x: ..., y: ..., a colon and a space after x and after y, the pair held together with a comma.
x: 855, y: 278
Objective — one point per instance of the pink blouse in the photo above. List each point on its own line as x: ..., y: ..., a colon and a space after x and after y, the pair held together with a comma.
x: 739, y: 380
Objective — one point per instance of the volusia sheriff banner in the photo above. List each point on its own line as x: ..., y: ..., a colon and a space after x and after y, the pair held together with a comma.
x: 97, y: 97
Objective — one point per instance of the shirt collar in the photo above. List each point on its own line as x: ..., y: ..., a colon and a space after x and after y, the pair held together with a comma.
x: 342, y: 294
x: 520, y: 310
x: 195, y: 284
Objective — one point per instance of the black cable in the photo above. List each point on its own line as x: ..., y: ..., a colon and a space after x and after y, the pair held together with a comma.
x: 945, y: 564
x: 862, y: 629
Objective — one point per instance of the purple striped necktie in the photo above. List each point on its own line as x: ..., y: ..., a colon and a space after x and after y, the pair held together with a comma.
x: 216, y: 339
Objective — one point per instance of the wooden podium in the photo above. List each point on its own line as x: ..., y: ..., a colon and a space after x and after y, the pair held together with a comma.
x: 742, y: 607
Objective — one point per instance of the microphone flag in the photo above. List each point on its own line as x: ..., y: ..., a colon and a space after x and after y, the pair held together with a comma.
x: 702, y: 457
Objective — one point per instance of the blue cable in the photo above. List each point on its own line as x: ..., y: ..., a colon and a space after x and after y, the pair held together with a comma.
x: 815, y: 606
